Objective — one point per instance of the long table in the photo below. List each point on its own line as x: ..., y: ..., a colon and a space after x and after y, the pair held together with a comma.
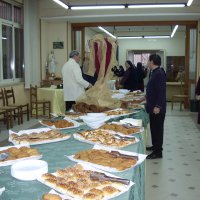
x: 54, y: 154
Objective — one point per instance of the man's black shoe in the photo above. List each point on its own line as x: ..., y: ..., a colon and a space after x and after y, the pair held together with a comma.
x: 154, y: 155
x: 149, y: 148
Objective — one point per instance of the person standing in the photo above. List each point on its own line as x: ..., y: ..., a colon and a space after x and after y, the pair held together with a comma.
x: 198, y: 94
x: 129, y: 80
x: 73, y: 83
x: 156, y: 105
x: 141, y: 76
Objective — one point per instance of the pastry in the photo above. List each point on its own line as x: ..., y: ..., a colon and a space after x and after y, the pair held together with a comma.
x: 51, y: 197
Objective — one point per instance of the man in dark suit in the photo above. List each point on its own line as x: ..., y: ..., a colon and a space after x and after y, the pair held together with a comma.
x: 156, y: 105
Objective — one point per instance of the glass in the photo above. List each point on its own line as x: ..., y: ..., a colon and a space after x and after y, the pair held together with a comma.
x: 19, y: 53
x: 7, y: 52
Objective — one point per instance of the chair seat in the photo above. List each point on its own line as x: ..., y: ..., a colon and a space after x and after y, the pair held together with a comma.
x: 179, y: 98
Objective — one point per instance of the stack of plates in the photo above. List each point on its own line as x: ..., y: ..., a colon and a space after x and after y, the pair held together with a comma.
x: 29, y: 170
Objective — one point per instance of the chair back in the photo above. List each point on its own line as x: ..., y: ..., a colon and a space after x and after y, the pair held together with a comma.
x: 9, y: 94
x: 33, y: 94
x: 2, y: 98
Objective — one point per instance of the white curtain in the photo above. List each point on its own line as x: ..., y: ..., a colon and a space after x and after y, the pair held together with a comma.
x: 31, y: 43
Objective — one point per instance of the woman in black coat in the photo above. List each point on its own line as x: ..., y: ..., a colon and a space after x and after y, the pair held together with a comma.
x: 129, y: 80
x: 140, y: 76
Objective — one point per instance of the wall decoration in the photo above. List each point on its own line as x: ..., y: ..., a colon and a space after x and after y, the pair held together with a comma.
x: 58, y: 45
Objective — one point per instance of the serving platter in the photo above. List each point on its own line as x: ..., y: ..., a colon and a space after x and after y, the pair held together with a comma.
x: 139, y: 160
x: 11, y: 161
x: 67, y: 181
x: 70, y: 123
x: 37, y: 136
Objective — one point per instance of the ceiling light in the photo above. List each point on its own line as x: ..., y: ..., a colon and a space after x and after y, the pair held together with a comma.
x: 104, y: 30
x: 61, y: 4
x: 164, y: 5
x: 129, y: 37
x: 174, y: 31
x: 4, y: 38
x: 93, y: 7
x: 189, y: 2
x: 157, y: 36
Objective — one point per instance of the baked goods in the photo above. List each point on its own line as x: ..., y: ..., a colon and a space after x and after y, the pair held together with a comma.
x: 21, y: 152
x: 85, y: 108
x: 51, y: 197
x: 37, y: 137
x: 118, y: 112
x: 101, y: 136
x: 58, y: 124
x: 105, y: 158
x: 76, y: 182
x: 120, y: 128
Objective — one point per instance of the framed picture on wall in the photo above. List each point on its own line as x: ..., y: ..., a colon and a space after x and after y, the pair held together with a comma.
x: 58, y: 45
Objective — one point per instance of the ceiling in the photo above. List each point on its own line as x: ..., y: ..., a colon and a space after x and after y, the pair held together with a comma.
x: 164, y: 14
x: 53, y: 12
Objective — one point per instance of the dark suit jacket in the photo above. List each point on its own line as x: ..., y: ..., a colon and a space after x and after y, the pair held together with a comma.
x: 198, y: 87
x: 156, y: 91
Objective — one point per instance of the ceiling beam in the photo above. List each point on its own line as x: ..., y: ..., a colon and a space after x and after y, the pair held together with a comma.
x: 192, y: 24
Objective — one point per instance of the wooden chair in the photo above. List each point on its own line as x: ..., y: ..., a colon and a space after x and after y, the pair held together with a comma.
x: 9, y: 112
x: 10, y: 102
x: 38, y: 105
x: 179, y: 97
x: 6, y: 117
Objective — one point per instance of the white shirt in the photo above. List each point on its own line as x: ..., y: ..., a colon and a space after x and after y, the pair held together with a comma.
x: 73, y: 83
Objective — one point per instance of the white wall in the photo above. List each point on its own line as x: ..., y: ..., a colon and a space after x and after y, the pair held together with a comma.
x: 54, y: 32
x: 172, y: 46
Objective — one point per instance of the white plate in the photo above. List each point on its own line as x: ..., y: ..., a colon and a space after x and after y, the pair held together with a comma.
x: 96, y: 114
x: 10, y: 162
x: 82, y: 139
x: 29, y: 170
x: 76, y: 124
x: 141, y: 158
x: 88, y: 167
x: 29, y: 131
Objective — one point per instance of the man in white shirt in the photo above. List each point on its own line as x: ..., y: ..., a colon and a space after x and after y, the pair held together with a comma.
x: 73, y: 83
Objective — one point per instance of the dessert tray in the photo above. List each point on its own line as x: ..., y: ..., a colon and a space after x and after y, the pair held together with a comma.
x: 122, y: 128
x: 82, y: 181
x: 18, y: 153
x: 37, y: 136
x: 105, y: 137
x: 118, y: 112
x: 108, y: 159
x: 59, y: 123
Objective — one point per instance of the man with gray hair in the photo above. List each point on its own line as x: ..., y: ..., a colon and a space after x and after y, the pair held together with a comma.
x: 73, y: 83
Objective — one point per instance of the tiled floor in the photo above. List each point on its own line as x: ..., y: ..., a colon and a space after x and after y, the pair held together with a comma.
x: 177, y: 175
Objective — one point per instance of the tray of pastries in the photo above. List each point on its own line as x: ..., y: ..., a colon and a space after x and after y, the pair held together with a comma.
x: 83, y: 182
x: 119, y: 112
x: 17, y: 153
x: 37, y: 136
x: 65, y: 123
x: 122, y: 129
x: 108, y: 159
x: 105, y: 137
x: 74, y: 115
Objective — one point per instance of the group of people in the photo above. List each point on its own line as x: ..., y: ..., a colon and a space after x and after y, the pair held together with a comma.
x: 74, y: 85
x: 133, y: 77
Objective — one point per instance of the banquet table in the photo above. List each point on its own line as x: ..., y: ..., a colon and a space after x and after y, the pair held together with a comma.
x: 55, y: 155
x: 56, y: 98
